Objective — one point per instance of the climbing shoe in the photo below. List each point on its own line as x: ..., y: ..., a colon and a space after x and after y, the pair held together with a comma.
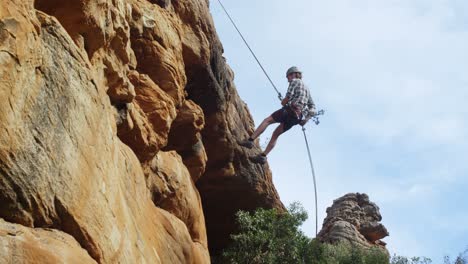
x: 261, y: 159
x: 247, y: 143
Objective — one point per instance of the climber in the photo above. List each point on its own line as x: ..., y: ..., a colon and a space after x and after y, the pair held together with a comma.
x: 298, y: 108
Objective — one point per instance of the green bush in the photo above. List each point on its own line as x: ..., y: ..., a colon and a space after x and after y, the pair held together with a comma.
x: 267, y: 236
x: 345, y: 253
x: 461, y: 259
x: 271, y: 237
x: 414, y: 260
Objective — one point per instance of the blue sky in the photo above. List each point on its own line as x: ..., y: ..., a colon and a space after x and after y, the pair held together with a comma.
x: 393, y: 78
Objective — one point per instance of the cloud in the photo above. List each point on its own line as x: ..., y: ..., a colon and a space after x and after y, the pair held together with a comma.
x: 397, y: 58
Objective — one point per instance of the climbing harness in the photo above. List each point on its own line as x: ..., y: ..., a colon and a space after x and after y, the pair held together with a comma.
x: 315, y: 118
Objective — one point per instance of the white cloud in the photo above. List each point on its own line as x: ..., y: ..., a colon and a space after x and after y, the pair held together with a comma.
x: 395, y: 59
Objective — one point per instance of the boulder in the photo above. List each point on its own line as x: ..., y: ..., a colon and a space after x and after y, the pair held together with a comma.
x: 355, y: 219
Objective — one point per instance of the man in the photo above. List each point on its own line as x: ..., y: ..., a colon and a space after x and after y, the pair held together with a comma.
x: 298, y: 108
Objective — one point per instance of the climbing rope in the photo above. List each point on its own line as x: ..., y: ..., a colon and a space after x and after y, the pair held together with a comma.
x: 315, y: 118
x: 315, y: 182
x: 280, y: 97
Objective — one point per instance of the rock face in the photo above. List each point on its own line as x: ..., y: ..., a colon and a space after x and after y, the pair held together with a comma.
x: 21, y: 244
x: 355, y: 219
x: 119, y: 121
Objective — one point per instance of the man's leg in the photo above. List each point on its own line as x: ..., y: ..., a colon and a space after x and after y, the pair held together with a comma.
x: 261, y: 128
x: 261, y: 158
x: 274, y: 137
x: 249, y: 143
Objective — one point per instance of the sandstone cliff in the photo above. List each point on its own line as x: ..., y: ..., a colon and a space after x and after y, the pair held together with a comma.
x: 354, y: 219
x: 118, y: 123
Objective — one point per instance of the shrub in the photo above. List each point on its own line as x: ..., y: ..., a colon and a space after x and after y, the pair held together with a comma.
x: 270, y: 237
x: 345, y: 253
x: 414, y: 260
x: 461, y: 259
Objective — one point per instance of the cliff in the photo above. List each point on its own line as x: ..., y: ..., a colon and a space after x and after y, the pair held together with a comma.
x: 119, y: 121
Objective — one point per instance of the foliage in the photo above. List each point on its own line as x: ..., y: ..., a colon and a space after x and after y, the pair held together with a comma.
x: 461, y: 259
x: 270, y: 237
x: 345, y: 253
x: 273, y: 237
x: 414, y: 260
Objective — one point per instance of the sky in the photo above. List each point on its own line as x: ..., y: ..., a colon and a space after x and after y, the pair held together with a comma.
x: 392, y: 76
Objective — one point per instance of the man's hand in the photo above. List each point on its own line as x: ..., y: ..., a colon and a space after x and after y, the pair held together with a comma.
x: 285, y: 101
x: 303, y: 122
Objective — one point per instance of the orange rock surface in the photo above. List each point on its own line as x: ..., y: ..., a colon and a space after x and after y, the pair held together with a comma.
x: 119, y: 121
x: 20, y: 244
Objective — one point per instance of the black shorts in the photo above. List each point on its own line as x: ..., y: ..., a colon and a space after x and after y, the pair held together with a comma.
x: 287, y: 117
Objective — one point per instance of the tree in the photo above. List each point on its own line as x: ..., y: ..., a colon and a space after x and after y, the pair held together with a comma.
x: 269, y: 236
x: 414, y: 260
x: 461, y: 259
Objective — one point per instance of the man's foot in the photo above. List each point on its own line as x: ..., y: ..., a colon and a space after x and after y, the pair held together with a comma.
x: 260, y: 158
x: 247, y: 143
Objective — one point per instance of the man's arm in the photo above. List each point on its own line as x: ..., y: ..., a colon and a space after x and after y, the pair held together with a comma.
x: 311, y: 104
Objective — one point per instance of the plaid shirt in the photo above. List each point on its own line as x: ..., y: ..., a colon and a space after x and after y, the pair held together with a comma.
x: 300, y: 100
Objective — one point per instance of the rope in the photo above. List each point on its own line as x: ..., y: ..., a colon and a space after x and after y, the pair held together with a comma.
x: 321, y: 112
x: 280, y: 97
x: 315, y: 182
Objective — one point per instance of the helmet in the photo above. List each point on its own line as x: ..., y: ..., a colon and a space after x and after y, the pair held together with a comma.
x: 293, y: 69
